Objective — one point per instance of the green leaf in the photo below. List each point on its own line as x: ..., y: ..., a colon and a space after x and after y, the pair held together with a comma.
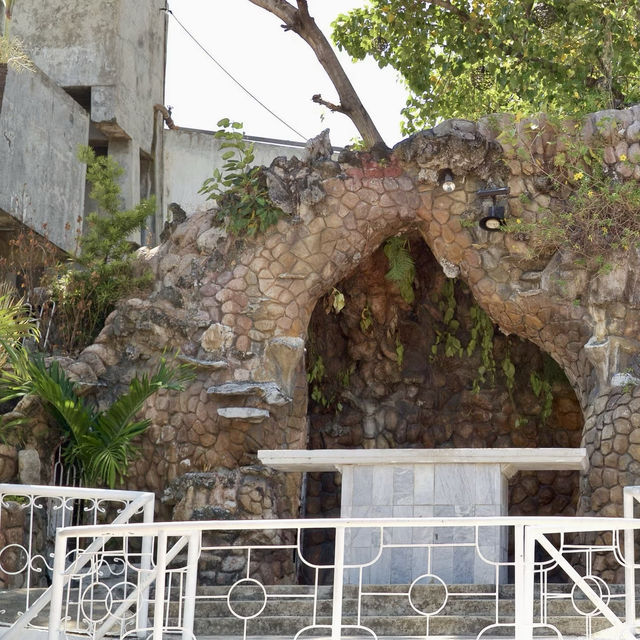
x: 338, y: 301
x: 401, y: 266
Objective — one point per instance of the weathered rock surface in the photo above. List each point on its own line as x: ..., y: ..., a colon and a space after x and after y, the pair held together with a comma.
x: 257, y: 291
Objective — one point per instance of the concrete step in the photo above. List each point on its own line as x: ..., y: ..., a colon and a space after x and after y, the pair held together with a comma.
x: 469, y: 609
x: 385, y: 610
x: 383, y: 606
x: 467, y: 625
x: 350, y: 591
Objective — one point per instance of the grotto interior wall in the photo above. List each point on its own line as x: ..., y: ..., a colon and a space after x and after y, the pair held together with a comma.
x: 362, y: 395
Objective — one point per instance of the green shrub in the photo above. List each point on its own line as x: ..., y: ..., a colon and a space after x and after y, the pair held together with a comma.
x: 100, y: 443
x: 15, y: 321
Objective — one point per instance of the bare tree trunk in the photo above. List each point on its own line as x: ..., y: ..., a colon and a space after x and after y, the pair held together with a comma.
x: 299, y: 21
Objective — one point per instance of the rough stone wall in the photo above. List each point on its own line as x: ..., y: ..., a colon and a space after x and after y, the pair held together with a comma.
x: 240, y: 309
x: 12, y: 558
x: 370, y: 400
x: 243, y: 493
x: 426, y: 400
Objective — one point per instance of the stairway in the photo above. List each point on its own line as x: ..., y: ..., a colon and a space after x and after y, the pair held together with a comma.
x: 289, y: 609
x: 468, y: 610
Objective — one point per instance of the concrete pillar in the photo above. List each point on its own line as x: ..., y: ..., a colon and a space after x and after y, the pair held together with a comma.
x: 158, y: 177
x: 127, y: 154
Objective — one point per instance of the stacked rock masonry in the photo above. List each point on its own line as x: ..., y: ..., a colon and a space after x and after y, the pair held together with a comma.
x: 239, y: 309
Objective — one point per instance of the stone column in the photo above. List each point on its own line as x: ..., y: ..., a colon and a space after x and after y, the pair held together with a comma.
x: 612, y: 439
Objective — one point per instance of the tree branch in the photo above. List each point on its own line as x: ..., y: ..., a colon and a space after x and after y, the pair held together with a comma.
x: 317, y: 98
x: 299, y: 20
x: 303, y: 8
x: 280, y: 8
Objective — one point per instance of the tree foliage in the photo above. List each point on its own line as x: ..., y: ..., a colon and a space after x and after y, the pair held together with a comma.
x: 87, y: 287
x: 466, y: 58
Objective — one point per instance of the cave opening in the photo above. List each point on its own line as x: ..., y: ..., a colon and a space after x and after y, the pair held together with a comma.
x: 385, y: 371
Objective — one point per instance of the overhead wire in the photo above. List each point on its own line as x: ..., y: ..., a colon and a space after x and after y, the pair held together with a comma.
x: 210, y: 56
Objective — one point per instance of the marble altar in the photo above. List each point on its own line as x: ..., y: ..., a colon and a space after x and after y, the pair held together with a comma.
x: 410, y: 483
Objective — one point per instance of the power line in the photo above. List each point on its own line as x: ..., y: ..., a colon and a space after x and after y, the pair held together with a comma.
x: 264, y: 106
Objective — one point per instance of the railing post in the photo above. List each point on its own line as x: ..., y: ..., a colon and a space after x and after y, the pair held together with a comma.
x: 629, y: 562
x: 191, y: 583
x: 518, y: 579
x: 145, y: 566
x: 338, y: 582
x: 524, y: 580
x: 57, y: 587
x: 161, y: 572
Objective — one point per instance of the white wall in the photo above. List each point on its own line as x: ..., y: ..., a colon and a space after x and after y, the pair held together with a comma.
x: 190, y: 156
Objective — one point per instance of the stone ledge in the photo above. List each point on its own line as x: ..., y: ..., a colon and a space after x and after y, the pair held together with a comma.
x: 204, y: 364
x: 248, y: 414
x: 270, y: 392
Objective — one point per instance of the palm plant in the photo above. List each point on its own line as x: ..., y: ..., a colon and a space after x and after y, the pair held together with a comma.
x: 15, y: 322
x: 100, y: 443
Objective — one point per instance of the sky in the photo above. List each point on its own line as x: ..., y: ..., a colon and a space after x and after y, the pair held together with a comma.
x: 278, y: 67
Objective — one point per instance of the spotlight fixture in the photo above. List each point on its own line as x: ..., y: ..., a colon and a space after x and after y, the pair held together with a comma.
x: 493, y: 219
x: 446, y: 181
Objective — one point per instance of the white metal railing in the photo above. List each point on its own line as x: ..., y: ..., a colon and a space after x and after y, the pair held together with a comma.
x: 631, y: 496
x: 237, y: 560
x: 30, y: 515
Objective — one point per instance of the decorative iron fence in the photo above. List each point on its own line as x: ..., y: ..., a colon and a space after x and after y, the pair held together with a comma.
x: 29, y: 518
x: 237, y: 579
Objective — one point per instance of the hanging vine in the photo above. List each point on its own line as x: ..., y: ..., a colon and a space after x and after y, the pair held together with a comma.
x: 482, y: 331
x: 482, y: 339
x: 542, y: 390
x: 509, y: 371
x: 446, y: 338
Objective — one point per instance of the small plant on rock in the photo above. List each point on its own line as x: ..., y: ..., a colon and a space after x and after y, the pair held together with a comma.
x: 240, y: 189
x: 13, y: 55
x: 595, y: 212
x: 402, y: 268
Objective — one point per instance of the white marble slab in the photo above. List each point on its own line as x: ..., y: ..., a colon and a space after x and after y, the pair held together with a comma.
x: 550, y: 459
x: 424, y: 490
